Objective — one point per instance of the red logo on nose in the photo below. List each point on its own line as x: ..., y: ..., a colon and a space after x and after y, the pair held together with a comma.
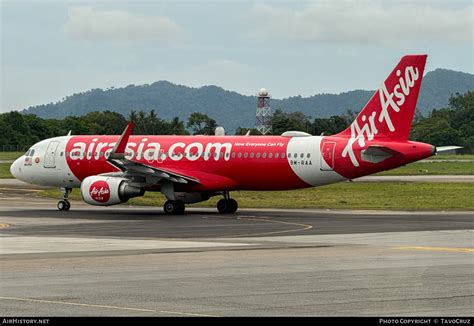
x: 100, y: 191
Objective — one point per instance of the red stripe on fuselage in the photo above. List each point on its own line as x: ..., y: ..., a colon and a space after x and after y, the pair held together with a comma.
x: 252, y: 162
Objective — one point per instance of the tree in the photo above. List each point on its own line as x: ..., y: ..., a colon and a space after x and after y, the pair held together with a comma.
x: 133, y: 117
x: 329, y: 126
x: 153, y: 120
x: 243, y: 131
x: 201, y: 124
x: 177, y: 127
x: 286, y: 121
x: 105, y: 122
x: 449, y: 126
x: 141, y: 126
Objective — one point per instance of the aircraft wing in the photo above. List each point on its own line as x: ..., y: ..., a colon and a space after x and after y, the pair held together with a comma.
x: 117, y: 159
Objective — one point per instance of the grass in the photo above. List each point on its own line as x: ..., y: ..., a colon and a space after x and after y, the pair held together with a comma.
x: 348, y: 195
x: 433, y: 168
x: 453, y: 157
x: 5, y: 171
x: 10, y: 155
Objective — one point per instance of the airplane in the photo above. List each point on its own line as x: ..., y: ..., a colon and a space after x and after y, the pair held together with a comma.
x: 110, y: 170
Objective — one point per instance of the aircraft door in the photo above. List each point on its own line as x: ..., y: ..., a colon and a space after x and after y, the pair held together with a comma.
x: 49, y: 156
x: 327, y: 156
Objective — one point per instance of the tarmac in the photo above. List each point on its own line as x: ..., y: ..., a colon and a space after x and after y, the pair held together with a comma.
x: 136, y: 261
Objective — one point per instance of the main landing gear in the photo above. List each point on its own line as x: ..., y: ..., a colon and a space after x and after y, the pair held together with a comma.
x: 227, y: 205
x: 64, y: 204
x: 174, y: 207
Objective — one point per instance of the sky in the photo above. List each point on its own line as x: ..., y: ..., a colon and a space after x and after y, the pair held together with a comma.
x: 54, y: 48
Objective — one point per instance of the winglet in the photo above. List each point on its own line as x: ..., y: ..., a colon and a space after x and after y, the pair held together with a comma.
x: 121, y: 145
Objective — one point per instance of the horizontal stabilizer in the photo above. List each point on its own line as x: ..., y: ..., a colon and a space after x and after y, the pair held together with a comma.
x: 447, y: 148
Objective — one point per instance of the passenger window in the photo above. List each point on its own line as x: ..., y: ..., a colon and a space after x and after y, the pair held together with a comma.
x: 308, y: 155
x: 270, y: 155
x: 289, y: 154
x: 302, y: 155
x: 264, y: 155
x: 252, y: 155
x: 233, y: 155
x: 296, y: 155
x: 240, y: 155
x: 277, y: 155
x: 246, y: 155
x: 283, y: 155
x: 258, y: 155
x: 32, y: 152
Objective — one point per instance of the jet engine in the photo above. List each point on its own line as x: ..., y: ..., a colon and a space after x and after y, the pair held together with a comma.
x: 107, y: 191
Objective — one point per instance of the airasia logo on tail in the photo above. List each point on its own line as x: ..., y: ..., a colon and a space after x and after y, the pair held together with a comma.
x: 369, y: 125
x: 100, y: 191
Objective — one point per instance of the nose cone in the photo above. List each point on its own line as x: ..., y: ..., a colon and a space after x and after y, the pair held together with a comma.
x: 15, y: 168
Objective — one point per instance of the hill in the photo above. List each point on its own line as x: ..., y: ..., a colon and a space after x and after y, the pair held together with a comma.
x: 232, y: 109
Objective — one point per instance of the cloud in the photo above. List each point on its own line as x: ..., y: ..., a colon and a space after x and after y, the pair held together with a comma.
x: 365, y: 22
x: 87, y: 24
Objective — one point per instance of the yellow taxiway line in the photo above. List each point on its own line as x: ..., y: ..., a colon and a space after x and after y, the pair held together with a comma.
x: 448, y: 249
x: 108, y: 307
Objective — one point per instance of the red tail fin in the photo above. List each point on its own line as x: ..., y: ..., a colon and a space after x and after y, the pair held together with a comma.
x: 389, y: 113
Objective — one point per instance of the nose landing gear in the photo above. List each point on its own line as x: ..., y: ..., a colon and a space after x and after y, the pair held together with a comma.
x: 64, y: 204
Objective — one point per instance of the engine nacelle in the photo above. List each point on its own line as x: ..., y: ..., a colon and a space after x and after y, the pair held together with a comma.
x: 107, y: 191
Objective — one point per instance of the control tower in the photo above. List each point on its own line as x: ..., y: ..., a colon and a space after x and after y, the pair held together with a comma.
x: 263, y: 121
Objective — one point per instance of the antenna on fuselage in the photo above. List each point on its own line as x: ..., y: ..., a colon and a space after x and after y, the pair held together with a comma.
x: 69, y: 133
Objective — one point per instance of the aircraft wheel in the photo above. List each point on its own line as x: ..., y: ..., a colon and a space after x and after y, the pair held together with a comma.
x: 64, y: 205
x: 222, y: 206
x: 173, y: 207
x: 233, y: 206
x: 179, y: 207
x: 227, y: 206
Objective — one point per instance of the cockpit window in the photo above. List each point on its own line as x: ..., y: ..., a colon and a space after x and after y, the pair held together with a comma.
x: 30, y: 152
